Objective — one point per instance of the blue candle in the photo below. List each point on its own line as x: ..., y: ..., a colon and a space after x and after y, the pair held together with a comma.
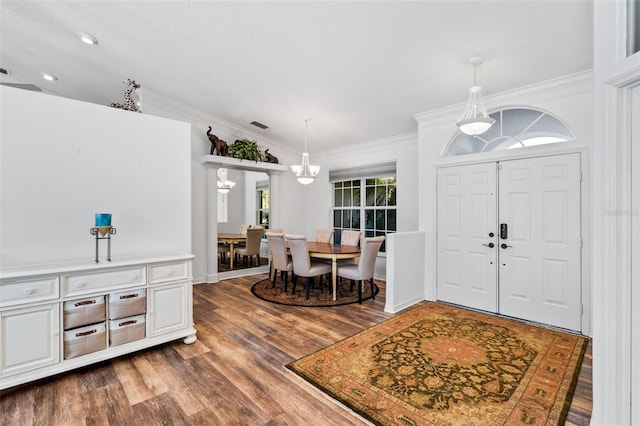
x: 103, y: 219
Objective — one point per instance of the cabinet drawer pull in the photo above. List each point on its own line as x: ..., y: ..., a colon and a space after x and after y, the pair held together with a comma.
x: 134, y: 277
x: 86, y: 333
x: 129, y: 296
x: 81, y: 284
x: 28, y: 291
x: 85, y: 302
x: 128, y: 322
x: 171, y: 272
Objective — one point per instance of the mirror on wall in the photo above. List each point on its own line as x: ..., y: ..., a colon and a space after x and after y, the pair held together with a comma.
x: 247, y: 202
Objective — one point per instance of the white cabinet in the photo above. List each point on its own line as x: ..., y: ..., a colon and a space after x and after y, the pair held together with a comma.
x: 168, y: 309
x: 32, y: 303
x: 30, y: 338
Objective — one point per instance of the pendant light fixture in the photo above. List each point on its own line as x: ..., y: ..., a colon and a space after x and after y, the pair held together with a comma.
x: 305, y: 173
x: 224, y: 184
x: 475, y: 119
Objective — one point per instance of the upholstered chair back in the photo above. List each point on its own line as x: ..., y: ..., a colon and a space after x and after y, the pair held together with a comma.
x: 299, y: 254
x: 369, y: 253
x: 350, y: 238
x: 324, y: 235
x: 278, y: 251
x: 254, y: 236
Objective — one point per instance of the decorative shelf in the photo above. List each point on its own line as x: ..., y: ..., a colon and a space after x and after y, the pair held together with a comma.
x: 236, y: 163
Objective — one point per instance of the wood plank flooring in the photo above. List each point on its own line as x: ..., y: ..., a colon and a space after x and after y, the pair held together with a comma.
x: 232, y: 375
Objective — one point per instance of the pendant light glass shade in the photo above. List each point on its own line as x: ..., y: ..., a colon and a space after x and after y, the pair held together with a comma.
x: 305, y: 173
x: 475, y: 120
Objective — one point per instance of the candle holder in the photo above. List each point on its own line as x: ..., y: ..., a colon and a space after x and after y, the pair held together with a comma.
x: 103, y: 233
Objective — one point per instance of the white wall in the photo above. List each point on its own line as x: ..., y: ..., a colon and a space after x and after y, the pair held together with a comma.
x: 568, y: 98
x: 63, y: 160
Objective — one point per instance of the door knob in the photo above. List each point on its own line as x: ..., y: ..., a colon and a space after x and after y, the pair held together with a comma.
x: 490, y: 245
x: 504, y: 246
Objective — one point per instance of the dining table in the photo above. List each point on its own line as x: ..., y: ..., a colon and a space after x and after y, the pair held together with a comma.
x: 333, y: 252
x: 231, y: 239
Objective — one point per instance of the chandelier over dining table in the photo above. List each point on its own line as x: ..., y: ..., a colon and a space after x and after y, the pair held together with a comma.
x: 305, y: 173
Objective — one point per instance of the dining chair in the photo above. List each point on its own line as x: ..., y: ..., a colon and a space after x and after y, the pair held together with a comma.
x: 324, y: 235
x: 223, y: 250
x: 280, y: 260
x: 364, y: 269
x: 303, y: 266
x: 252, y: 248
x: 350, y: 238
x: 243, y: 231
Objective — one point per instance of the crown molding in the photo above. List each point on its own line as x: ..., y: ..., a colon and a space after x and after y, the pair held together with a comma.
x: 557, y: 88
x: 192, y: 114
x: 407, y: 140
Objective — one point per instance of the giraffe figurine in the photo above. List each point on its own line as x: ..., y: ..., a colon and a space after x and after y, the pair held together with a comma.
x: 128, y: 104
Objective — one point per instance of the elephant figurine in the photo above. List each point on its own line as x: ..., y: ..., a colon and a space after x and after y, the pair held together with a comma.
x: 269, y: 158
x: 217, y: 144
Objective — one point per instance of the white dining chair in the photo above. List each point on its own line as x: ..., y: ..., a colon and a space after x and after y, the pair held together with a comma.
x: 350, y: 238
x: 364, y: 269
x: 324, y: 235
x: 303, y: 266
x: 280, y: 260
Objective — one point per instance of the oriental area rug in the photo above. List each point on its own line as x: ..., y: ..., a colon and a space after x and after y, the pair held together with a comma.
x: 319, y: 295
x: 436, y: 364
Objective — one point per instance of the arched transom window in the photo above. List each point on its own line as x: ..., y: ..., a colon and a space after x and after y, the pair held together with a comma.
x: 515, y: 127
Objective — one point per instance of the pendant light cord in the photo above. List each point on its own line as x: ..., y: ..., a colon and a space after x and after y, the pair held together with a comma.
x: 306, y: 133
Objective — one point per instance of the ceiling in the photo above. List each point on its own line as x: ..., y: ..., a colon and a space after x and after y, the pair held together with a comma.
x: 359, y: 70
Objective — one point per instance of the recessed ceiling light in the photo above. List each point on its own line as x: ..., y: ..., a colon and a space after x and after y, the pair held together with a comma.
x: 88, y: 38
x: 48, y: 77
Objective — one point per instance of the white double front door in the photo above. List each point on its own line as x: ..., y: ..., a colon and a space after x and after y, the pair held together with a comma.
x: 509, y: 238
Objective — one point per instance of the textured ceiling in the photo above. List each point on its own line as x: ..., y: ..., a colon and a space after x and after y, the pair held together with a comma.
x: 360, y: 70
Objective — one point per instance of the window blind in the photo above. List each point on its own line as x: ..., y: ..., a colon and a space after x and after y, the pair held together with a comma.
x: 369, y: 171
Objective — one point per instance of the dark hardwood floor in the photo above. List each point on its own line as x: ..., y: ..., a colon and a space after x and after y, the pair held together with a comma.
x: 232, y: 375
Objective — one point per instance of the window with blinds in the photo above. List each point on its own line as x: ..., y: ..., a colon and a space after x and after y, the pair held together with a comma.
x: 364, y: 199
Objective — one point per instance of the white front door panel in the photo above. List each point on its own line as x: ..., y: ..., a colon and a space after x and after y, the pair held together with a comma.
x: 539, y: 275
x: 466, y: 217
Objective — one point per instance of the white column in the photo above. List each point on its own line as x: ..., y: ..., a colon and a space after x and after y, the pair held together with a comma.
x: 274, y: 207
x: 212, y: 224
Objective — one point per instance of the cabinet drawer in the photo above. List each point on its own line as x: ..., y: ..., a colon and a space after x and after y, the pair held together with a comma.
x: 165, y: 272
x: 103, y: 281
x: 17, y: 292
x: 127, y: 303
x: 85, y: 311
x: 126, y: 330
x: 85, y: 340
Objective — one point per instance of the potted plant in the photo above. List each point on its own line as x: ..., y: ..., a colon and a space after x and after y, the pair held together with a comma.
x: 245, y: 149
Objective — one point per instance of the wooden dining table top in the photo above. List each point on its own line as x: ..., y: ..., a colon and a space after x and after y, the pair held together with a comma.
x: 328, y: 248
x: 230, y: 236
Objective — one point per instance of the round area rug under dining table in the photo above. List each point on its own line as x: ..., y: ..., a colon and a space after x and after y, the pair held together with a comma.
x: 319, y: 295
